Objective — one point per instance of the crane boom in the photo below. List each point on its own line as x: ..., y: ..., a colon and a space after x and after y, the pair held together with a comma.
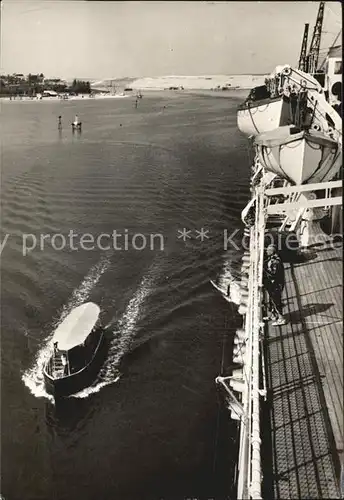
x: 313, y: 55
x: 303, y: 62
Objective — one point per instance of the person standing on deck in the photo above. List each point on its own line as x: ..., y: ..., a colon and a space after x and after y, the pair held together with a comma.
x: 273, y: 281
x: 293, y: 105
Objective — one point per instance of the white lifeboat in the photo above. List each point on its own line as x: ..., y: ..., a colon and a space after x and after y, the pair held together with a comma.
x: 301, y: 157
x: 257, y: 117
x: 274, y: 104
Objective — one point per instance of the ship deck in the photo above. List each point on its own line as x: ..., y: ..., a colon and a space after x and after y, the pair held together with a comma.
x: 303, y: 418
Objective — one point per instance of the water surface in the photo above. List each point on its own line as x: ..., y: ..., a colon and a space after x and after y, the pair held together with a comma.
x: 151, y: 426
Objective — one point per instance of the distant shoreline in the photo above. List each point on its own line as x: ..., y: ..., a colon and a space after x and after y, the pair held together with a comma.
x: 80, y: 97
x: 237, y: 93
x: 148, y: 92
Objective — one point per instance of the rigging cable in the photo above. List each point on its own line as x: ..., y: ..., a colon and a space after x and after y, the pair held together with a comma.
x: 329, y: 48
x: 249, y: 110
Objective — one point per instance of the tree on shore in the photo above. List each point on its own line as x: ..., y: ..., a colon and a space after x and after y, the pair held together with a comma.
x: 33, y: 84
x: 80, y: 87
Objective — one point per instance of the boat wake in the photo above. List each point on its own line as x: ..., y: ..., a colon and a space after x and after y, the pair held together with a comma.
x: 122, y: 336
x: 33, y: 377
x: 82, y: 293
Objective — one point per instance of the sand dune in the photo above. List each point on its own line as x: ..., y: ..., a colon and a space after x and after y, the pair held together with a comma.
x: 204, y: 82
x: 200, y: 82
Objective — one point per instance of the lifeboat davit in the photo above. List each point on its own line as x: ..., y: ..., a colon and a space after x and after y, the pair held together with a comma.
x: 299, y: 156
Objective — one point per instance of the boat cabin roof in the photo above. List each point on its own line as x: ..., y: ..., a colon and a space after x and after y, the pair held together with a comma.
x: 76, y: 327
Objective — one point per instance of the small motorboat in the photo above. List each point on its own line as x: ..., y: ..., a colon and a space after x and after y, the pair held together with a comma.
x: 78, y: 352
x: 229, y: 290
x: 76, y: 124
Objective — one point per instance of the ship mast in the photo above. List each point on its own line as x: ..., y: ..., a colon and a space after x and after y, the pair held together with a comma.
x: 303, y: 62
x: 313, y: 54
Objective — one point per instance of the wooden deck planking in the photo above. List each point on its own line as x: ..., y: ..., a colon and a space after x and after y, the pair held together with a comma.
x: 329, y: 352
x: 305, y: 381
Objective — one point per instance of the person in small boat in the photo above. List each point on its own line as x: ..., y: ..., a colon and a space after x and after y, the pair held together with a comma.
x: 64, y: 364
x: 273, y: 281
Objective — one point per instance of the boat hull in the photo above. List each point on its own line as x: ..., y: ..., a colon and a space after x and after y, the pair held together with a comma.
x: 301, y: 157
x: 222, y: 290
x: 71, y: 384
x: 255, y: 118
x: 230, y: 292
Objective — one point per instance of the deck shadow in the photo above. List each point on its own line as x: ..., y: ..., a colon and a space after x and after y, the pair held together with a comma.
x: 296, y: 317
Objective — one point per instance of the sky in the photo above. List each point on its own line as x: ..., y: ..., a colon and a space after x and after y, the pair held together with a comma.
x: 98, y: 39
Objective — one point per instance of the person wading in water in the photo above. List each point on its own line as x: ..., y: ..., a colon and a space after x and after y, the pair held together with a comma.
x: 273, y: 281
